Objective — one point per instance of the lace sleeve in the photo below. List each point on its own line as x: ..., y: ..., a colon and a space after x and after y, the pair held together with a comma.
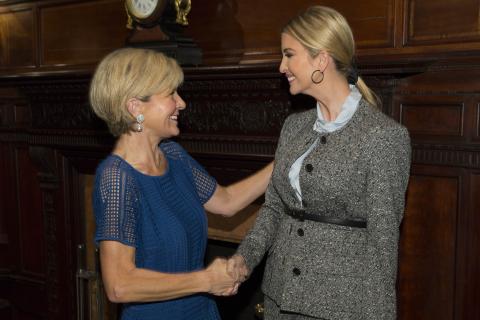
x: 115, y: 204
x: 204, y: 183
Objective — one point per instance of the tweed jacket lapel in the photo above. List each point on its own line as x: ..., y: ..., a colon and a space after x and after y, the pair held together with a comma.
x: 293, y: 151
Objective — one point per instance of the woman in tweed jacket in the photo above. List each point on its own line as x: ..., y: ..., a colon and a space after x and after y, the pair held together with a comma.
x: 330, y: 223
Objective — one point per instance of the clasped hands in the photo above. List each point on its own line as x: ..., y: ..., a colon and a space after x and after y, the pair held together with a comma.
x: 227, y: 275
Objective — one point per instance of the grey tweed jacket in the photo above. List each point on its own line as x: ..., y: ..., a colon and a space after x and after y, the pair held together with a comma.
x: 325, y: 270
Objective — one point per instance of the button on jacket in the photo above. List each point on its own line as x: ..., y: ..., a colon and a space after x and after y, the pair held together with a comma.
x: 325, y: 270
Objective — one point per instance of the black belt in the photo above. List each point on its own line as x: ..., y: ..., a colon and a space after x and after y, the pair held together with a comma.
x: 302, y: 215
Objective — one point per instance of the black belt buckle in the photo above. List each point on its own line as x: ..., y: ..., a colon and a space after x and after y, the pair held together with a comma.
x: 298, y: 214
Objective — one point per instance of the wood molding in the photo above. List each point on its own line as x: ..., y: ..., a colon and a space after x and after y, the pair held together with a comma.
x: 45, y: 161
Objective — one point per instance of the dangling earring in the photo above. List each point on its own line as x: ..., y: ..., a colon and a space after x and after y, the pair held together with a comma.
x: 137, y: 125
x: 317, y: 76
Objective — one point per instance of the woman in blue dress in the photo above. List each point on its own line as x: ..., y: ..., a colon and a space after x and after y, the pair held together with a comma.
x: 150, y: 195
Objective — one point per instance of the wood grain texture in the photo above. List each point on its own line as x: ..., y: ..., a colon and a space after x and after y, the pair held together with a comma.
x: 426, y: 281
x: 17, y: 37
x: 442, y: 21
x: 80, y: 32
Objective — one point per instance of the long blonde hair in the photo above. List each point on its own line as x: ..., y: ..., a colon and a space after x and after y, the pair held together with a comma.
x: 323, y: 28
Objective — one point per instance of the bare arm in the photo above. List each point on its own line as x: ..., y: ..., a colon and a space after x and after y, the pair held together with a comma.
x: 124, y: 282
x: 229, y: 200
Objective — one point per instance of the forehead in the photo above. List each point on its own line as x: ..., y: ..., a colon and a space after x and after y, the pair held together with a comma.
x: 289, y: 42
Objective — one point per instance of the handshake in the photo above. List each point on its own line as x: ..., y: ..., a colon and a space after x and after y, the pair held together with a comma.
x: 225, y: 276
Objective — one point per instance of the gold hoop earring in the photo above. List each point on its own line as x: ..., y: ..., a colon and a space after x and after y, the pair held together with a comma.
x: 317, y: 76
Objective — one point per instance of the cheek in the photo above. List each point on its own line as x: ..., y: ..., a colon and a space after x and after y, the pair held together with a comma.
x: 169, y: 108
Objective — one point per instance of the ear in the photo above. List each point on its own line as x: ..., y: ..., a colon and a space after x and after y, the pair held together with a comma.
x: 322, y: 60
x: 133, y: 107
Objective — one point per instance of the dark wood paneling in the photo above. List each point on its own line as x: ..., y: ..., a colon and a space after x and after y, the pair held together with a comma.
x: 442, y: 21
x: 430, y: 118
x: 426, y: 279
x: 31, y: 232
x: 449, y: 78
x: 477, y: 121
x: 28, y: 300
x: 468, y: 281
x: 372, y: 21
x: 75, y: 34
x: 59, y: 254
x: 7, y: 194
x: 3, y: 200
x: 231, y: 124
x: 440, y: 107
x: 17, y: 37
x: 249, y: 31
x: 8, y: 102
x: 81, y: 32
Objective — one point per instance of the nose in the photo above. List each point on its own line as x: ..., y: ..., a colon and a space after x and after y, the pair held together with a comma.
x: 180, y: 103
x: 283, y: 65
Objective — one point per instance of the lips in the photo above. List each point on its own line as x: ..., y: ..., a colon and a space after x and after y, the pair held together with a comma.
x: 174, y: 117
x: 290, y: 77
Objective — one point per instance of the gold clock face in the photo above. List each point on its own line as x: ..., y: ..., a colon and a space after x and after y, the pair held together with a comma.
x: 145, y: 11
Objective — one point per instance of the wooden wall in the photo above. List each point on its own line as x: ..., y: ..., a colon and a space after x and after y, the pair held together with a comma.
x: 421, y: 56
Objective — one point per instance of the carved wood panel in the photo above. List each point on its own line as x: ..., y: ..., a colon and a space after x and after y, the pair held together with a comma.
x: 28, y: 299
x: 7, y: 206
x: 426, y: 282
x: 476, y: 120
x: 442, y: 21
x: 249, y: 31
x: 81, y: 32
x: 468, y: 281
x: 17, y: 37
x: 433, y: 119
x: 31, y: 231
x: 71, y: 34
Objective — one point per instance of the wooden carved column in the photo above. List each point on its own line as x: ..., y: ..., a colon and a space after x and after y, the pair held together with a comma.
x: 59, y: 114
x: 44, y: 159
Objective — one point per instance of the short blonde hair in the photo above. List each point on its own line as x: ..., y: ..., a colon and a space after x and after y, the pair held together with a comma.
x: 130, y: 73
x: 323, y: 28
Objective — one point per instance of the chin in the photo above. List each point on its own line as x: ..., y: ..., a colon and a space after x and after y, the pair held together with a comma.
x: 294, y: 91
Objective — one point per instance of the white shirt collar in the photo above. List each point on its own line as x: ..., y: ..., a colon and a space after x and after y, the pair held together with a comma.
x: 348, y: 109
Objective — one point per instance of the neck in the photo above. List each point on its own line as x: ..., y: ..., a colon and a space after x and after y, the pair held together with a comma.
x: 141, y: 152
x: 331, y: 96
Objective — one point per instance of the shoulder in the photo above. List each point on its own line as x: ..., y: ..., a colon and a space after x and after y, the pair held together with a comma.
x: 174, y: 150
x: 381, y: 127
x: 112, y: 170
x: 298, y: 120
x: 111, y: 165
x: 383, y: 138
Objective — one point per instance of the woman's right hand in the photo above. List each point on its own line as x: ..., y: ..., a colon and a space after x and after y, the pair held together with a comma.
x: 221, y: 283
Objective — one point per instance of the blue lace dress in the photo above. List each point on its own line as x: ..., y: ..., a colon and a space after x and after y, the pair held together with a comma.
x: 163, y: 218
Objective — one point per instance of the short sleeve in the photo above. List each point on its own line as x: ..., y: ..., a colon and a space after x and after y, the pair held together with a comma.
x: 204, y: 183
x: 115, y: 203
